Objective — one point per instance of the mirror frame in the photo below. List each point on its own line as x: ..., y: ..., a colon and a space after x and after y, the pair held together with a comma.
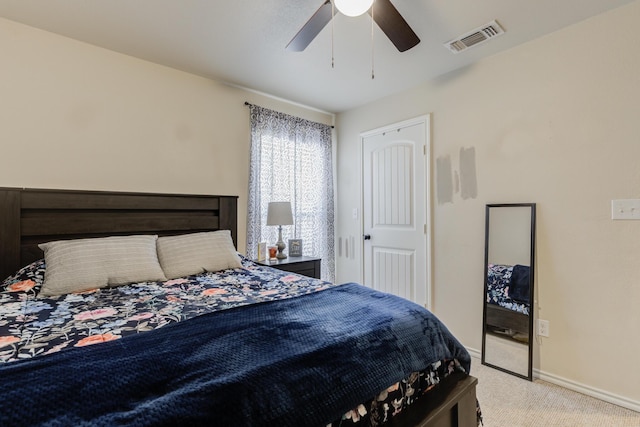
x: 488, y: 207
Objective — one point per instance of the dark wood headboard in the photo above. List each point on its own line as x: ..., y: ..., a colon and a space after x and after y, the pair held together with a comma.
x: 32, y: 216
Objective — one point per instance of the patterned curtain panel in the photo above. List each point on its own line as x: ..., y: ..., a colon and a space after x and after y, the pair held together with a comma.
x: 291, y: 161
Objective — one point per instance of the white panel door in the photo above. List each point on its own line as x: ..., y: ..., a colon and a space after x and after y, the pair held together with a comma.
x: 395, y: 210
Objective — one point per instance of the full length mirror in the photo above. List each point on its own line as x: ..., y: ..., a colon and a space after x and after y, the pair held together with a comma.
x: 507, y: 333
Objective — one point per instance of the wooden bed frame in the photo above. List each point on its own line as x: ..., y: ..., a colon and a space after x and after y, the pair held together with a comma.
x: 33, y: 216
x: 500, y: 317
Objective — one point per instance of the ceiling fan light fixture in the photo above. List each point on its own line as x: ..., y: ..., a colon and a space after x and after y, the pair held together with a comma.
x: 353, y: 7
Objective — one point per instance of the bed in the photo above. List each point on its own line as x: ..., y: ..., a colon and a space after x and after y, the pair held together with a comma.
x: 248, y: 345
x: 508, y: 300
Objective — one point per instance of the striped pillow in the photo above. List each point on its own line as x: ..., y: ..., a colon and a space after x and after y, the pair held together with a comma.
x: 196, y: 253
x: 83, y: 264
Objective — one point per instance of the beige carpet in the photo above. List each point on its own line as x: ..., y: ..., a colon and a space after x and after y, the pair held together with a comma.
x: 508, y: 401
x: 508, y: 353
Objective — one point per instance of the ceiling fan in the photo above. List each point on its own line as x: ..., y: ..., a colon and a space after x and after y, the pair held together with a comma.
x: 383, y: 13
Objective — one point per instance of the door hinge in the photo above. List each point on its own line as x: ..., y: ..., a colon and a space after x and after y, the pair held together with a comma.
x: 425, y: 229
x: 424, y: 150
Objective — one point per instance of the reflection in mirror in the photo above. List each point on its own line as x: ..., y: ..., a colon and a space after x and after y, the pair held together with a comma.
x: 507, y: 332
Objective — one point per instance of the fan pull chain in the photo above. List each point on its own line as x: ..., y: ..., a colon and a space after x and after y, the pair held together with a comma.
x: 372, y: 47
x: 333, y: 14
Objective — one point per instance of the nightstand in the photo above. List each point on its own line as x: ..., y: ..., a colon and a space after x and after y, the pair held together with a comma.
x: 304, y: 265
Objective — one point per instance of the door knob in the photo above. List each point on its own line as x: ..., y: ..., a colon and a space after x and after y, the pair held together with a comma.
x: 367, y: 237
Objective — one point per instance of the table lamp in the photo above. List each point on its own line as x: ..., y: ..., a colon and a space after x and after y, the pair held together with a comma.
x: 279, y: 214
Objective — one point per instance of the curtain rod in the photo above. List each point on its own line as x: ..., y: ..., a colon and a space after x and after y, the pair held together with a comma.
x: 253, y: 105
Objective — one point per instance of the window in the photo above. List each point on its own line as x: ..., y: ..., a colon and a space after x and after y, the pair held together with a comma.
x: 291, y: 161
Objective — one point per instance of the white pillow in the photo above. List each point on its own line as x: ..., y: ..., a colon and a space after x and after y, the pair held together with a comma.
x: 196, y: 253
x: 83, y: 264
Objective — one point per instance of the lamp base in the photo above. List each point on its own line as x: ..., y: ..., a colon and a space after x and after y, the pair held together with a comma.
x: 280, y: 245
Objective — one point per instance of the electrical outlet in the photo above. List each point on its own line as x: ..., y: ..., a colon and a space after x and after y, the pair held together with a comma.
x: 543, y: 328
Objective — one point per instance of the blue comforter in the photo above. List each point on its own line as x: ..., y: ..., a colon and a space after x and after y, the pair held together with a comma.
x: 308, y: 358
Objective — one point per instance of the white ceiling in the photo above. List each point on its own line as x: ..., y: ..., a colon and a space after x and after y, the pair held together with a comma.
x: 242, y: 42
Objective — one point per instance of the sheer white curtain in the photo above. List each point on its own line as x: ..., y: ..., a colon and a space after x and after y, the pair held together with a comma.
x: 291, y: 161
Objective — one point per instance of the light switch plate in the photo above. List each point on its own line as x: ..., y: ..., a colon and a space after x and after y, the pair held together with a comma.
x: 625, y: 209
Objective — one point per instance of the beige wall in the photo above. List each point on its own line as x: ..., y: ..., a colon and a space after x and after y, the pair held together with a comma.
x: 75, y: 116
x: 556, y: 122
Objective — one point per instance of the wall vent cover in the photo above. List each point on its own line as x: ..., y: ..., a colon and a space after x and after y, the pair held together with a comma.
x: 475, y: 37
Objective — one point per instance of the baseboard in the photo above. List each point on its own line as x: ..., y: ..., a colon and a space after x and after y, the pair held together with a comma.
x: 474, y: 353
x: 588, y: 390
x: 576, y: 386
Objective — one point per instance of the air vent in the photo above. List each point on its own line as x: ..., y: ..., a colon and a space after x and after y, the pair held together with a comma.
x: 475, y: 37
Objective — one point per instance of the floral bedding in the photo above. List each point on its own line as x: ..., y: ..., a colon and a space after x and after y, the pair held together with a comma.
x: 33, y: 326
x: 399, y: 396
x: 499, y: 288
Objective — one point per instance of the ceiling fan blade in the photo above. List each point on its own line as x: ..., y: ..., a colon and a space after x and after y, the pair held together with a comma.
x: 393, y: 25
x: 312, y: 28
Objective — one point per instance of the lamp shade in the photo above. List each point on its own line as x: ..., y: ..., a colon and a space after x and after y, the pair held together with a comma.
x: 353, y: 7
x: 279, y: 213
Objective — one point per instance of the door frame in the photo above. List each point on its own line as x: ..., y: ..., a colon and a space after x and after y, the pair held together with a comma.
x: 426, y: 120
